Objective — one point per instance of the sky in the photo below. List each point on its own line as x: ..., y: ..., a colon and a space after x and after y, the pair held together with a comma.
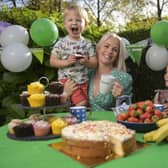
x: 10, y: 4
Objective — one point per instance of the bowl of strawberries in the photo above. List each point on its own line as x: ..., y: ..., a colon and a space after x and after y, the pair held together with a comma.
x: 140, y: 116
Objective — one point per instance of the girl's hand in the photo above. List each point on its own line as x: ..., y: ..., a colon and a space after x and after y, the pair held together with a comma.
x: 71, y: 59
x: 117, y: 89
x: 84, y: 60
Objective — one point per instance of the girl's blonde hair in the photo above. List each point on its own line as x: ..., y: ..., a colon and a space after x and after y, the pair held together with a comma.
x: 120, y: 62
x: 82, y: 12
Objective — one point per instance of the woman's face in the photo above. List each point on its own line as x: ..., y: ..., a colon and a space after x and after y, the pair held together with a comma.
x: 108, y: 51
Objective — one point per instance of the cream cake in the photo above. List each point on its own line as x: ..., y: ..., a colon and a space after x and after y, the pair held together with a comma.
x: 98, y: 139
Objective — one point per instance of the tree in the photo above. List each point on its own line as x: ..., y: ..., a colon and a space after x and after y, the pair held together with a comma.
x: 160, y: 5
x: 104, y: 10
x: 14, y: 3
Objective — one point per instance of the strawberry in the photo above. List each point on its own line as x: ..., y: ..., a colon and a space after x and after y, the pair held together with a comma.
x: 132, y: 106
x: 145, y: 116
x: 149, y: 109
x: 140, y: 121
x: 132, y: 119
x: 141, y: 105
x: 139, y: 111
x: 149, y: 103
x: 132, y: 112
x: 158, y: 113
x: 147, y: 120
x: 122, y: 116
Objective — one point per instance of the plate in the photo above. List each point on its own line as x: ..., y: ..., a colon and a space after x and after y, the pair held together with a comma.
x: 32, y: 138
x: 90, y: 162
x: 139, y: 127
x: 44, y: 107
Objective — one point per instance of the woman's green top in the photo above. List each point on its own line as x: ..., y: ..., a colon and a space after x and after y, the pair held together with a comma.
x: 104, y: 102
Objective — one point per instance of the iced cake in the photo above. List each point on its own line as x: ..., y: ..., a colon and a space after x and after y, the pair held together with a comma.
x: 98, y: 139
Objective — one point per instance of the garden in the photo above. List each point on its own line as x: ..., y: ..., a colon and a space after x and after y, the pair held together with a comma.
x: 13, y: 80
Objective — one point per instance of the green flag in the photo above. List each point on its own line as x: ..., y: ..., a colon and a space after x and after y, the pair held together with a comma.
x: 38, y: 53
x: 135, y: 52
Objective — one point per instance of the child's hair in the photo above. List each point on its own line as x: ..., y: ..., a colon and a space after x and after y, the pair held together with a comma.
x: 120, y: 62
x: 82, y: 12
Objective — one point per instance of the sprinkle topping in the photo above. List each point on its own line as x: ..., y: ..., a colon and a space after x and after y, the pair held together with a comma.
x: 97, y: 131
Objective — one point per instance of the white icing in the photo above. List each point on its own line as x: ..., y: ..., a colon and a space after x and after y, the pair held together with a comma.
x: 41, y: 124
x: 98, y: 131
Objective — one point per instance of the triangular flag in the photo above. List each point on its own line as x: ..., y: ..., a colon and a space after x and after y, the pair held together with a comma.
x: 135, y: 52
x: 38, y: 53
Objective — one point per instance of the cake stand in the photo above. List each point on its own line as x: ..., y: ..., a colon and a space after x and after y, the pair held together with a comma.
x: 44, y: 108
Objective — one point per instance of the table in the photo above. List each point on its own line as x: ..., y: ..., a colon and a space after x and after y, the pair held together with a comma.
x: 37, y: 154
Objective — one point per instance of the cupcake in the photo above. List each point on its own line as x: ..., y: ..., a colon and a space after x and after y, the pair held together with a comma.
x: 13, y: 123
x: 57, y: 126
x: 41, y: 128
x: 55, y: 87
x: 24, y: 130
x: 23, y: 98
x: 36, y: 100
x: 35, y: 88
x: 52, y: 99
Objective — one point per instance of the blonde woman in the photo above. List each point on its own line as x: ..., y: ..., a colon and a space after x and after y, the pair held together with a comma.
x: 110, y: 55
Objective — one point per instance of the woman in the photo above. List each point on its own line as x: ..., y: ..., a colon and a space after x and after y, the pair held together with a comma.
x: 110, y: 55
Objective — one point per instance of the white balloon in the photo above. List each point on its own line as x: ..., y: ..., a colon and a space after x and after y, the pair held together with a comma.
x: 16, y: 57
x: 156, y: 57
x: 14, y: 33
x: 125, y: 42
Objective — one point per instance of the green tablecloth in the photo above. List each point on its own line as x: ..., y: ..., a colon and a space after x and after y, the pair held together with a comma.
x: 37, y: 154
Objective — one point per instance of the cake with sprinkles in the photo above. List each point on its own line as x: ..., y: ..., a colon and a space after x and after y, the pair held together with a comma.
x: 98, y: 139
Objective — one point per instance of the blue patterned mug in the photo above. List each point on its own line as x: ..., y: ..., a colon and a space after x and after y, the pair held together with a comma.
x: 80, y: 112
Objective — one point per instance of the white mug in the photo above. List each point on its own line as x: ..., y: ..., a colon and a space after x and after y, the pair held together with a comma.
x: 106, y: 83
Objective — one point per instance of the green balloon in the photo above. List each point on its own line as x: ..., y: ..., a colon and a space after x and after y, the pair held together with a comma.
x: 159, y: 33
x: 44, y: 32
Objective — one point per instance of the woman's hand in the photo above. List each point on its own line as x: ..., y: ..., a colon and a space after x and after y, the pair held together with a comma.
x: 69, y: 87
x: 117, y: 89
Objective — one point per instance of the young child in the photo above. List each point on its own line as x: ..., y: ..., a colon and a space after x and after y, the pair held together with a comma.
x: 73, y: 54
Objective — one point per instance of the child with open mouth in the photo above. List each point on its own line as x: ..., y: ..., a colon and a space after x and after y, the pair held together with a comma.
x: 73, y: 54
